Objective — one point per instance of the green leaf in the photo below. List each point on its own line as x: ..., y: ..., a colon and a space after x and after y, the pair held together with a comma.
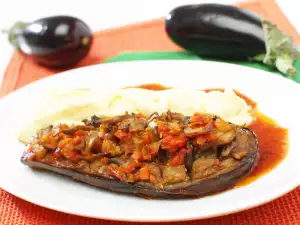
x: 281, y: 53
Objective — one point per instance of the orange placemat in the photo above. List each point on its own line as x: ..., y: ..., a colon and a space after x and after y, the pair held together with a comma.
x: 139, y: 37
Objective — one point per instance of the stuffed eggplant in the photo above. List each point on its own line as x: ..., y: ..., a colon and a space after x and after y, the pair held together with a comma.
x: 229, y: 32
x: 162, y: 156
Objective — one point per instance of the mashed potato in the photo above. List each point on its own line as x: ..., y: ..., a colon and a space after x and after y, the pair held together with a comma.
x: 71, y: 106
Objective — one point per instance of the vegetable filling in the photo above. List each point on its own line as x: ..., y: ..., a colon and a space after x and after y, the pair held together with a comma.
x: 162, y: 149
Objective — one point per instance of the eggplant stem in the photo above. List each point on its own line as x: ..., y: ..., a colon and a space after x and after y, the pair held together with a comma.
x: 281, y: 51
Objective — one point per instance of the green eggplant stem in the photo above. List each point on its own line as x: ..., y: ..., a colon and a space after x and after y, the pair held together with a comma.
x: 14, y: 31
x: 281, y: 53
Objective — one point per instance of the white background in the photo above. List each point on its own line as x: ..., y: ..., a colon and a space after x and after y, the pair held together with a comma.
x: 103, y: 14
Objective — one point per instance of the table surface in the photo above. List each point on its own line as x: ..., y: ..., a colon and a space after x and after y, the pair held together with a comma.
x: 104, y: 14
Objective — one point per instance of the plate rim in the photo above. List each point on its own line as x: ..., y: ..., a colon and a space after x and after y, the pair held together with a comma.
x: 162, y: 61
x: 241, y: 209
x: 282, y: 191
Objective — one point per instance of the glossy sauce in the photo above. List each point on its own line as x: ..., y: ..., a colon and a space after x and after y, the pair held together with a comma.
x: 272, y: 139
x: 273, y: 146
x: 153, y: 87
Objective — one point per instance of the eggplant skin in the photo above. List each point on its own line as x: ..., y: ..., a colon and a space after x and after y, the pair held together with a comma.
x: 216, y: 30
x: 55, y: 42
x: 245, y: 140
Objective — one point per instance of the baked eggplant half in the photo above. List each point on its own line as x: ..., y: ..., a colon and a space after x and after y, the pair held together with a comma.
x: 162, y: 156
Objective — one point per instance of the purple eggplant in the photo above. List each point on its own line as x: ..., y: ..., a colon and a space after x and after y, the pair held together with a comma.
x: 231, y: 33
x: 216, y: 30
x: 54, y: 42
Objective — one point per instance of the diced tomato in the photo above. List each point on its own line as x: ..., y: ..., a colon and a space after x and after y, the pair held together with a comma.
x: 76, y: 140
x: 137, y: 176
x: 67, y: 149
x: 146, y: 153
x: 163, y: 129
x: 146, y: 138
x: 105, y: 160
x: 45, y: 138
x: 178, y: 158
x: 61, y: 136
x: 200, y: 119
x: 115, y: 172
x: 79, y: 133
x: 97, y: 145
x: 137, y: 164
x: 56, y: 153
x: 200, y: 140
x: 74, y: 157
x: 63, y: 127
x: 137, y: 155
x: 166, y: 142
x: 64, y: 142
x: 132, y: 167
x: 122, y: 135
x: 140, y: 116
x: 153, y: 179
x: 144, y: 173
x: 129, y: 169
x: 210, y: 137
x: 172, y: 143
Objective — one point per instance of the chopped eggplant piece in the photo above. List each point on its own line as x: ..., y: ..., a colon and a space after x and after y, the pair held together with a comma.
x: 185, y: 120
x: 189, y: 158
x: 174, y: 174
x: 95, y: 121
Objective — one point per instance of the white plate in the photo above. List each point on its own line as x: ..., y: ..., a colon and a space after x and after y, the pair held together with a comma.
x: 270, y: 91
